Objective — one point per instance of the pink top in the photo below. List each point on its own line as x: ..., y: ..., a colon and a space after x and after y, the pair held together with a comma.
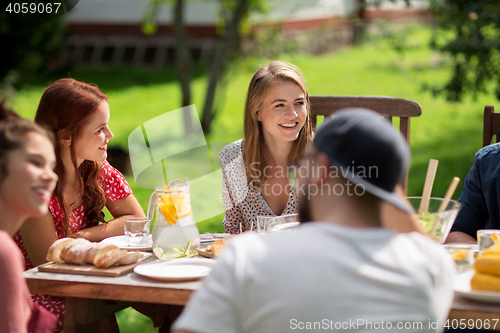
x: 16, y: 311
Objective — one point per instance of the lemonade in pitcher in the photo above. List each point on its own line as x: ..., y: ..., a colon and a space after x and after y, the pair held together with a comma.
x: 175, y: 234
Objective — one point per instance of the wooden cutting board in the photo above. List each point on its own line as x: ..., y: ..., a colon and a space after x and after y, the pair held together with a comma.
x: 87, y: 269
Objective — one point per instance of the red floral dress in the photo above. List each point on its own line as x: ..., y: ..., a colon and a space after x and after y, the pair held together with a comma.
x: 116, y: 188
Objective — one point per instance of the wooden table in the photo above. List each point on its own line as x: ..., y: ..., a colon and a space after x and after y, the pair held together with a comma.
x: 90, y: 298
x: 478, y: 313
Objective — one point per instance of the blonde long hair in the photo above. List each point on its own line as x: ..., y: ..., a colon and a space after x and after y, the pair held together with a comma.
x: 253, y: 139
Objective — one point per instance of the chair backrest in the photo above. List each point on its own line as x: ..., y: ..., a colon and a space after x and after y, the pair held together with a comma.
x: 491, y: 125
x: 389, y: 107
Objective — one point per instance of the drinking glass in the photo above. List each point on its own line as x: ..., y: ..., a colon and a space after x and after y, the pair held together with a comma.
x: 286, y: 222
x: 262, y: 223
x: 462, y: 254
x: 487, y: 238
x: 136, y: 231
x: 436, y: 223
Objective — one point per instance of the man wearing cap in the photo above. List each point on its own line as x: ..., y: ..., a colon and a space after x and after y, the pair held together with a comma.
x: 341, y: 270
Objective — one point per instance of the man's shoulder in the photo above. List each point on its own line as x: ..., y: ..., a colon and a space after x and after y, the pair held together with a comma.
x: 416, y: 238
x: 320, y: 240
x: 421, y: 245
x: 251, y: 244
x: 490, y: 151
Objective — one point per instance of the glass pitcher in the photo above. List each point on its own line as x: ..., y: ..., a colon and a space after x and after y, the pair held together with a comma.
x: 175, y: 234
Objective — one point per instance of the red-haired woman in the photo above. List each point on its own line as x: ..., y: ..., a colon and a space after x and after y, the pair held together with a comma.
x: 78, y: 114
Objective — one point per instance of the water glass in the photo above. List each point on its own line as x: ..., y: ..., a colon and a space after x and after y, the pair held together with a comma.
x: 289, y: 226
x: 284, y: 222
x: 136, y: 231
x: 262, y: 223
x: 462, y: 254
x: 486, y: 238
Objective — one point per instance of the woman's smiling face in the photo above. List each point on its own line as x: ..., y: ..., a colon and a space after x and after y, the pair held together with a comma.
x: 92, y: 143
x: 30, y: 179
x: 283, y: 113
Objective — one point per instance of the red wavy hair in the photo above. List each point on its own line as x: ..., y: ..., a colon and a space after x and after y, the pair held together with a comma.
x: 64, y: 109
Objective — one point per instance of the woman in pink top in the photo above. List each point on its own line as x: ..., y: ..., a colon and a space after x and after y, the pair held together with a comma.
x: 27, y: 180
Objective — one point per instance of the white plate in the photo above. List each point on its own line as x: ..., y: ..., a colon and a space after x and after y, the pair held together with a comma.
x: 461, y: 284
x: 210, y: 237
x: 122, y: 243
x: 184, y: 269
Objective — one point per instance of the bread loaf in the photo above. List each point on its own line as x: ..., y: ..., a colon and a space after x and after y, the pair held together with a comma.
x: 487, y: 270
x: 80, y: 252
x: 217, y: 247
x: 69, y: 245
x: 485, y: 282
x: 100, y: 248
x: 488, y: 265
x: 55, y: 249
x: 110, y: 258
x: 76, y: 254
x: 130, y: 258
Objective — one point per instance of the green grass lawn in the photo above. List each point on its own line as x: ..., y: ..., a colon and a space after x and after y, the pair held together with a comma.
x: 448, y: 132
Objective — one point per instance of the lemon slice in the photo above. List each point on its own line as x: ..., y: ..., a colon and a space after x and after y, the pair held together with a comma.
x: 167, y: 209
x: 494, y: 236
x: 183, y: 205
x: 158, y: 251
x: 459, y: 254
x: 175, y: 206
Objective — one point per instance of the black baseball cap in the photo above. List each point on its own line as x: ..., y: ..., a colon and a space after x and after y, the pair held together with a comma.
x: 368, y: 150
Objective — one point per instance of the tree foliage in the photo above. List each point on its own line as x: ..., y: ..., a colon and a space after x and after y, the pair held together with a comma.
x: 231, y: 23
x: 28, y: 44
x: 469, y: 32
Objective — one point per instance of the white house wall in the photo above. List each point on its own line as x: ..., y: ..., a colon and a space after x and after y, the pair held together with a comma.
x: 204, y: 12
x: 401, y: 4
x: 132, y: 12
x: 298, y: 10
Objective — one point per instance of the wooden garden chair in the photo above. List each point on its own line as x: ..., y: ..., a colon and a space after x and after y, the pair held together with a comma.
x: 389, y: 107
x: 491, y: 125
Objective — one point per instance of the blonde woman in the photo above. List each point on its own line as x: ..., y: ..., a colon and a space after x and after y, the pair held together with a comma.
x: 277, y: 130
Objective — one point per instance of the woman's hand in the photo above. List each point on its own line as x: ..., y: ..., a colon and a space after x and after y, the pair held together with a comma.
x: 120, y: 209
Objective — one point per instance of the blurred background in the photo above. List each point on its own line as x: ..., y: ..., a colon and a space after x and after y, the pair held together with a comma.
x: 154, y: 56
